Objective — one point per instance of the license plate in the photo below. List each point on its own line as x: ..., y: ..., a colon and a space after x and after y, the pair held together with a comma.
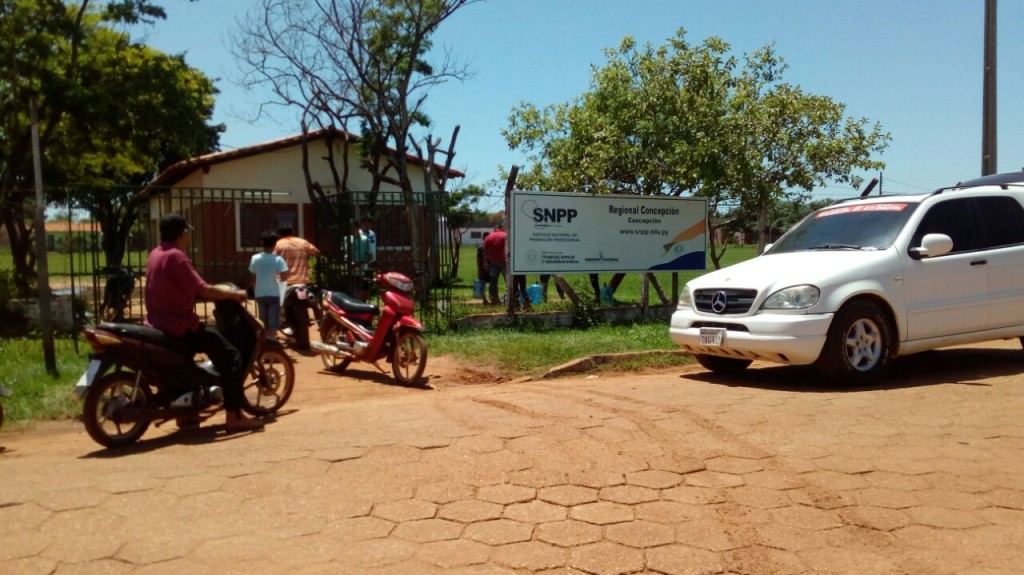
x: 712, y: 336
x: 87, y: 378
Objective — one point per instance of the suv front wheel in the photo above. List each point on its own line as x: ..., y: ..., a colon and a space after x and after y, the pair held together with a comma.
x: 859, y: 345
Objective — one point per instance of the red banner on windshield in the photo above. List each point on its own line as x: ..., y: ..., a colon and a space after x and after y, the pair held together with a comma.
x: 861, y: 208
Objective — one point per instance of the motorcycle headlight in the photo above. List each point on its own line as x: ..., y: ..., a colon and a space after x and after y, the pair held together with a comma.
x: 685, y: 298
x: 796, y: 297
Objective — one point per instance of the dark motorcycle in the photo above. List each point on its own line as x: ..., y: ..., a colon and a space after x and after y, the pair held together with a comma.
x: 138, y: 376
x: 347, y: 331
x: 298, y: 299
x: 117, y: 293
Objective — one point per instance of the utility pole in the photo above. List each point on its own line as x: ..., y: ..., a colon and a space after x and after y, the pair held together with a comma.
x: 988, y: 106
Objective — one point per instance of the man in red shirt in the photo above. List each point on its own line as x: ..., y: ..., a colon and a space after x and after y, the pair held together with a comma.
x: 494, y: 254
x: 172, y: 286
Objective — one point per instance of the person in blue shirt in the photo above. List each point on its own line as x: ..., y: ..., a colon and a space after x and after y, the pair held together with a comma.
x: 268, y: 269
x: 366, y: 230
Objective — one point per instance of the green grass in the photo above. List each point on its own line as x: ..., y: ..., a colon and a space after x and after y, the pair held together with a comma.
x: 511, y: 353
x: 506, y: 352
x: 61, y: 265
x: 35, y: 394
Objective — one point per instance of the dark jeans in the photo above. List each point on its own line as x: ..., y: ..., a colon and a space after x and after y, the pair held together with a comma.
x: 225, y: 358
x: 270, y: 311
x: 544, y: 278
x: 495, y: 269
x: 519, y: 289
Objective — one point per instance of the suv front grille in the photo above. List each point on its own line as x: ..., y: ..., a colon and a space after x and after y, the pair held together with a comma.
x: 737, y: 301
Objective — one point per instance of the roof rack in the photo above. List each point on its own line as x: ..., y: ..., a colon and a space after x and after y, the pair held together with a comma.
x: 994, y: 180
x: 1004, y: 180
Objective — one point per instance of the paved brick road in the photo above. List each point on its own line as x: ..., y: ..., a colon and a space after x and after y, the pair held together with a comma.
x: 658, y: 473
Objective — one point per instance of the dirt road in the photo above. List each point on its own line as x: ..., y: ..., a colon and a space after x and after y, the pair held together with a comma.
x: 666, y: 472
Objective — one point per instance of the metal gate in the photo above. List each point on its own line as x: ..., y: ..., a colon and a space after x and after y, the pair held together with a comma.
x: 337, y: 219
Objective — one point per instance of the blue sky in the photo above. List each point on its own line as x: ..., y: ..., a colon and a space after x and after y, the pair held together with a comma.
x: 915, y: 66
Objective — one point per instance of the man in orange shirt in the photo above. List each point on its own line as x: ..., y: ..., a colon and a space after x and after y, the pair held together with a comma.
x: 296, y: 252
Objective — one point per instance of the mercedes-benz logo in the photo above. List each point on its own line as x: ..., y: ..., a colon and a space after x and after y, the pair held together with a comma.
x: 719, y: 302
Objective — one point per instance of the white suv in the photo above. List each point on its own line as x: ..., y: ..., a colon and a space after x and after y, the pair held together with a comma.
x: 860, y: 282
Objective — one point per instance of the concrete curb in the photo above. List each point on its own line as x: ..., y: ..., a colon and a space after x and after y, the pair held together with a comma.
x: 588, y: 363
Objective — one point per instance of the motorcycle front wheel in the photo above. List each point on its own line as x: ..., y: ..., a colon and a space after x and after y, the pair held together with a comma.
x: 267, y: 393
x: 409, y: 357
x: 102, y: 403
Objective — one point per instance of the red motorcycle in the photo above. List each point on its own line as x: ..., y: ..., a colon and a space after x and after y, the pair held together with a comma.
x: 347, y: 332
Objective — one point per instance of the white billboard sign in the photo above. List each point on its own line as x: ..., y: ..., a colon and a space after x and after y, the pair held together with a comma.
x: 558, y: 233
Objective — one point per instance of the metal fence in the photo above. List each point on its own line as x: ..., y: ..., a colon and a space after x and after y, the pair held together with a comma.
x: 105, y: 247
x: 227, y: 225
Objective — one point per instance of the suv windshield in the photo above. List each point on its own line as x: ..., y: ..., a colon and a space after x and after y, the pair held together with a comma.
x: 859, y: 226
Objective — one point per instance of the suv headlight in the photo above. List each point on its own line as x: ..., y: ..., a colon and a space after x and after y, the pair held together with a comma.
x: 685, y: 299
x: 796, y: 297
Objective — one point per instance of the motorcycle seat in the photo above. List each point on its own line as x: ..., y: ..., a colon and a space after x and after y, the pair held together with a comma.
x: 351, y: 304
x: 145, y: 334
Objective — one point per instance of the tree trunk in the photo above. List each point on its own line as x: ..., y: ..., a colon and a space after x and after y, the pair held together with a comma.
x: 22, y: 255
x: 762, y: 221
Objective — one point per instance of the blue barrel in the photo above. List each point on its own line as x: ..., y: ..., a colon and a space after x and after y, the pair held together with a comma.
x: 535, y: 292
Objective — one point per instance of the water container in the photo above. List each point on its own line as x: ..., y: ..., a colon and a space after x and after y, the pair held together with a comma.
x: 535, y: 292
x: 478, y: 288
x: 607, y: 295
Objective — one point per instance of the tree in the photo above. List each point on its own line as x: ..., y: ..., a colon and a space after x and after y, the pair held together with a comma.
x: 64, y: 58
x: 685, y: 118
x: 363, y: 62
x: 784, y: 214
x: 461, y: 210
x: 123, y: 138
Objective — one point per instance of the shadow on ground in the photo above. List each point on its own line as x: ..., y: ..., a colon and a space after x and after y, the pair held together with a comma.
x: 961, y: 366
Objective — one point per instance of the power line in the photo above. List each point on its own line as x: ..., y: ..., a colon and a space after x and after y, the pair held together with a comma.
x: 890, y: 180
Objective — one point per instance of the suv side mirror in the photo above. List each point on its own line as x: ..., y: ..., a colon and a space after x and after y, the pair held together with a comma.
x: 933, y: 245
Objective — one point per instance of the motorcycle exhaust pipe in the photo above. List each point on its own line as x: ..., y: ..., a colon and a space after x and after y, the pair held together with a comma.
x: 341, y: 352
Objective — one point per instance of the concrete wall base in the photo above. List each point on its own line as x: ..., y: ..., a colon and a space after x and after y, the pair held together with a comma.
x: 617, y: 315
x: 60, y: 312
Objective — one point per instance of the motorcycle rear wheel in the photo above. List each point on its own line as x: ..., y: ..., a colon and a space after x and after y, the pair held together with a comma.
x: 111, y: 392
x: 409, y: 357
x: 266, y: 395
x: 297, y: 315
x: 332, y: 334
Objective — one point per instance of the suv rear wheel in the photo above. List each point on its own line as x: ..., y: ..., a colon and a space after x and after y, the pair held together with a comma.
x: 859, y: 345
